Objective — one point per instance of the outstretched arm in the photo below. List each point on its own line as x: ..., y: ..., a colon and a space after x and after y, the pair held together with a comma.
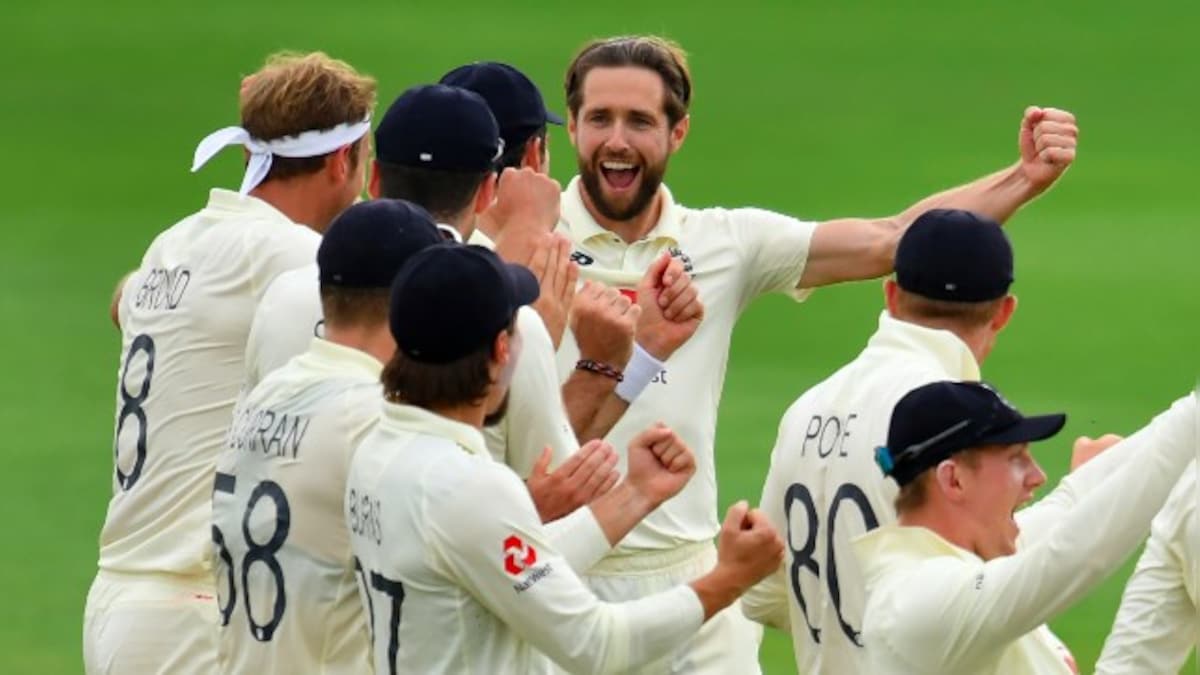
x: 850, y: 249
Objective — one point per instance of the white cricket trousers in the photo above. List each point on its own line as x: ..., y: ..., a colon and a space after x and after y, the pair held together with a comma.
x: 727, y: 644
x: 150, y: 624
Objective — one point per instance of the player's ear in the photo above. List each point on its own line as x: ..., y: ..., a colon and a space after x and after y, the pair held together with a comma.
x: 948, y: 480
x: 500, y: 350
x: 339, y: 165
x: 373, y: 182
x: 679, y: 132
x: 1003, y: 315
x: 891, y: 293
x: 486, y: 193
x: 572, y: 127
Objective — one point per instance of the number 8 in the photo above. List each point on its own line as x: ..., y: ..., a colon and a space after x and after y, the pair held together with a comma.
x: 132, y: 405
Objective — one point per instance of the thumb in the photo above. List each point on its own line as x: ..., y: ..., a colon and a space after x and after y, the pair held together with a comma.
x: 542, y: 466
x: 736, y: 515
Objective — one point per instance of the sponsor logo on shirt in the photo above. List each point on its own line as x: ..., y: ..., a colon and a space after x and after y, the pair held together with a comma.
x: 518, y: 556
x: 629, y: 293
x: 520, y: 560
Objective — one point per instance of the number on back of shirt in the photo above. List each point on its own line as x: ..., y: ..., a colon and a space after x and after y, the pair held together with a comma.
x: 798, y: 506
x: 133, y: 397
x: 393, y: 592
x: 258, y: 552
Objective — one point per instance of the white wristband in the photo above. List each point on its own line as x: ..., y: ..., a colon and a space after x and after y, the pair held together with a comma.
x: 641, y: 370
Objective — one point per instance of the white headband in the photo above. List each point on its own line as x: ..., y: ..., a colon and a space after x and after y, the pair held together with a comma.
x: 306, y: 144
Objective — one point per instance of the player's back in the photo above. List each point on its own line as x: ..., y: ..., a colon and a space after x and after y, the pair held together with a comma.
x: 285, y: 580
x: 413, y: 489
x: 184, y: 315
x: 830, y: 491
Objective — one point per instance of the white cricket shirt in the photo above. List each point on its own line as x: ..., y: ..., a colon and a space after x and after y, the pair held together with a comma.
x: 290, y: 315
x: 1158, y: 623
x: 286, y: 585
x: 734, y: 256
x: 286, y: 321
x: 932, y: 607
x: 461, y: 576
x: 824, y: 488
x: 185, y: 315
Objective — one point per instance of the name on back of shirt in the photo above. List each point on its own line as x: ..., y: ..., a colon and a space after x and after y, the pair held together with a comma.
x: 827, y: 434
x: 162, y: 288
x: 272, y: 433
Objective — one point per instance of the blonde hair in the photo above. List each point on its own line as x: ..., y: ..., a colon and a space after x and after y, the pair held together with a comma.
x: 295, y: 92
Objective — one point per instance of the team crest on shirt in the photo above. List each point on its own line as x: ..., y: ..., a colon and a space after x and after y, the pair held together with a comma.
x: 582, y: 259
x: 520, y: 561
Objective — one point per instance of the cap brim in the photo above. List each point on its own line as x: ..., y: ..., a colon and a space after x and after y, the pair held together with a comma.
x: 524, y: 284
x: 552, y: 118
x: 1037, y: 428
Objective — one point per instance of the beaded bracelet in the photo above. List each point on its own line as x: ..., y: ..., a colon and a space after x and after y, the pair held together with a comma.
x: 599, y: 368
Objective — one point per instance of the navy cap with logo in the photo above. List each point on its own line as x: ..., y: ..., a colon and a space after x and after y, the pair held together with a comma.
x: 452, y: 300
x: 513, y: 98
x: 368, y: 243
x: 935, y: 421
x: 440, y: 127
x: 949, y: 254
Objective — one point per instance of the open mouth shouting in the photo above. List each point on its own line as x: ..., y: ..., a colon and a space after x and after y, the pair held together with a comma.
x: 620, y: 175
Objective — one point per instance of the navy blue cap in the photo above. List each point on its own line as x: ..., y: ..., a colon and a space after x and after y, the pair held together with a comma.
x: 932, y: 422
x: 452, y: 300
x: 513, y: 98
x: 436, y: 126
x: 949, y: 254
x: 368, y: 243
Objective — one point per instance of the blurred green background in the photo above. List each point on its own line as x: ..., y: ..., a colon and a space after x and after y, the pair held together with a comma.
x: 817, y: 111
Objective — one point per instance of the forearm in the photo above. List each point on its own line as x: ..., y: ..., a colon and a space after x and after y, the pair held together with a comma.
x: 767, y: 602
x: 619, y: 510
x: 579, y: 538
x: 592, y: 405
x: 997, y: 195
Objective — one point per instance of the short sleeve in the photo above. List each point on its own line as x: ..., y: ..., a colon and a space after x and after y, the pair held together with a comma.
x: 773, y: 249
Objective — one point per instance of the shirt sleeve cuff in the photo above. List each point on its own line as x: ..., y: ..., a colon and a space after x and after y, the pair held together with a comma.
x: 579, y: 538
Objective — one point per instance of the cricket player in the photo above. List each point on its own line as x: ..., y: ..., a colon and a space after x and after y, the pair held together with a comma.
x: 947, y: 304
x: 286, y: 585
x: 1158, y: 623
x: 522, y: 116
x: 184, y: 316
x: 628, y: 102
x: 458, y: 573
x: 960, y: 584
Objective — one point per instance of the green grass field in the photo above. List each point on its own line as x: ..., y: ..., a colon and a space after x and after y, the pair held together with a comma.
x: 817, y: 111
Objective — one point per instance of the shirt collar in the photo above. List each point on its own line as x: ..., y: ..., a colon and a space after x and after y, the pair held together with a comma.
x: 220, y: 199
x: 583, y: 227
x: 339, y: 358
x: 881, y: 549
x: 449, y: 233
x: 422, y: 421
x: 945, y: 347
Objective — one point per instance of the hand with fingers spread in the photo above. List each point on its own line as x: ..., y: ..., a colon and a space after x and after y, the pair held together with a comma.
x: 660, y: 463
x: 556, y: 274
x: 671, y: 307
x: 1048, y: 140
x: 603, y: 322
x: 587, y: 474
x: 748, y: 550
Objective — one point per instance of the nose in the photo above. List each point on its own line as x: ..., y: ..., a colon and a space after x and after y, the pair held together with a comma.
x: 617, y: 142
x: 1036, y: 477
